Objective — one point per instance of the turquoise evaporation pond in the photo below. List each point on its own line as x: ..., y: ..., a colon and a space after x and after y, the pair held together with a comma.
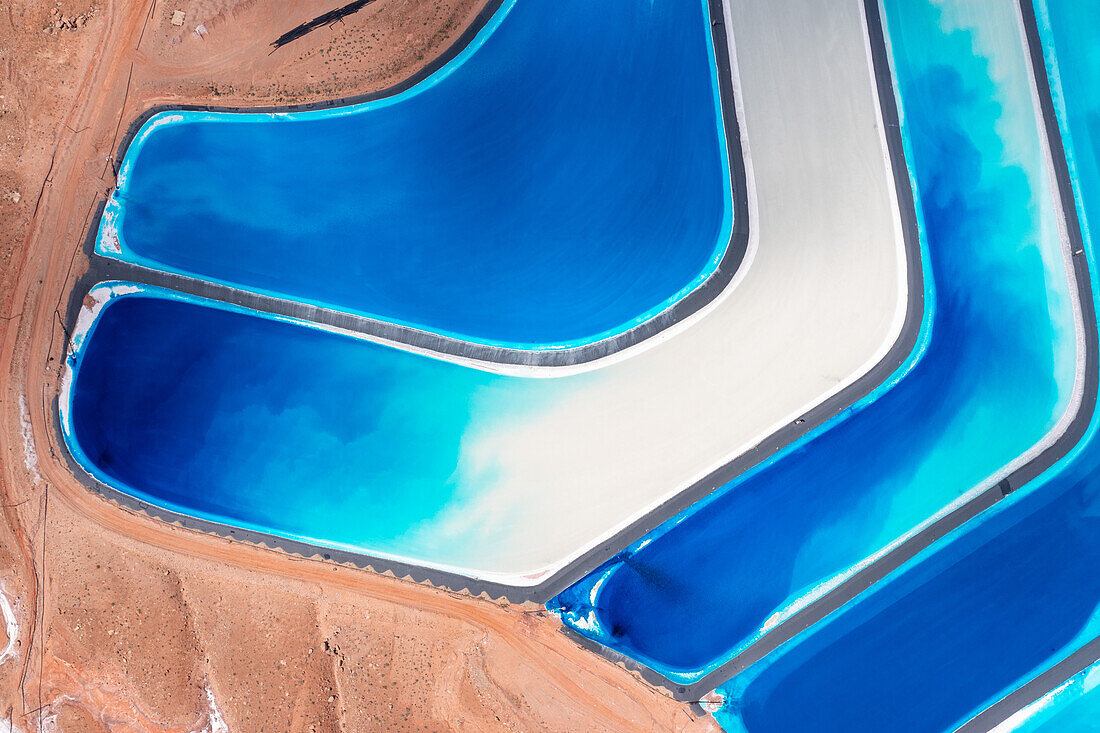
x: 995, y: 376
x: 561, y: 180
x: 1003, y: 598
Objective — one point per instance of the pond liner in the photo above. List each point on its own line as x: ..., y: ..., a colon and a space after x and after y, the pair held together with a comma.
x: 859, y: 582
x: 1089, y: 653
x: 399, y: 334
x: 102, y: 269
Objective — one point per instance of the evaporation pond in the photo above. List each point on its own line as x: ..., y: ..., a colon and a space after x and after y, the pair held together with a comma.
x: 562, y: 179
x: 246, y: 420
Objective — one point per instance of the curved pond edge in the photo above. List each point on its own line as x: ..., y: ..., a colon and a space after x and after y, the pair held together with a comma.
x: 1062, y: 439
x: 539, y: 591
x: 853, y: 585
x: 1086, y: 656
x: 723, y: 266
x: 1067, y: 665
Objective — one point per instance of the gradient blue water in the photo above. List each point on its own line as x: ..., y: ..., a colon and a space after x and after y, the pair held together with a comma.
x: 562, y: 180
x: 1005, y: 597
x: 262, y: 424
x: 993, y: 381
x: 1079, y: 714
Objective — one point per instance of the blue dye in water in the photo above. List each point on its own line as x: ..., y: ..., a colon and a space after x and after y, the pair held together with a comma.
x: 246, y: 420
x: 560, y: 181
x: 1080, y: 714
x: 949, y: 636
x: 1073, y: 707
x: 994, y: 379
x: 1004, y: 598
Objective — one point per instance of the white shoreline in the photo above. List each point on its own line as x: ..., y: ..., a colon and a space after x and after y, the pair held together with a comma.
x: 607, y: 446
x: 214, y: 718
x: 110, y: 243
x: 1056, y: 431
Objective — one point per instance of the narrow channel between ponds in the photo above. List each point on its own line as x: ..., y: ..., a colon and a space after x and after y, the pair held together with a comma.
x: 995, y: 380
x: 1007, y: 599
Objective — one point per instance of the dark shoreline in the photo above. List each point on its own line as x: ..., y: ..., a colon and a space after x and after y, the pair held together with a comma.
x: 103, y: 269
x: 853, y: 586
x: 703, y: 294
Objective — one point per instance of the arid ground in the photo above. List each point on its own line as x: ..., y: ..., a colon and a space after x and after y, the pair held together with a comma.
x: 122, y: 623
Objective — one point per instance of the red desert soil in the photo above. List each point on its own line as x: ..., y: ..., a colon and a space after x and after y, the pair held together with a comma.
x: 128, y: 624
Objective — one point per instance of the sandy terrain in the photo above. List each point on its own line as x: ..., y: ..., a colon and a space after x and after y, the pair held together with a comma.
x: 125, y: 624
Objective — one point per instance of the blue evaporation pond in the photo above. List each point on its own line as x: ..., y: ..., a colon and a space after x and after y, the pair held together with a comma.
x: 561, y: 180
x: 994, y: 378
x: 1004, y: 598
x: 1079, y: 715
x: 232, y: 417
x: 950, y: 635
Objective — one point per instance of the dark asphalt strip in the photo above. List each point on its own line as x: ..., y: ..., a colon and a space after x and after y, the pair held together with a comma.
x: 107, y: 269
x: 1090, y: 652
x: 713, y: 286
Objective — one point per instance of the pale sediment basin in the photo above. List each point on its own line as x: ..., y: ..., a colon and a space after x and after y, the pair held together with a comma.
x: 507, y: 479
x: 560, y: 181
x: 982, y: 630
x: 998, y: 381
x: 1072, y: 707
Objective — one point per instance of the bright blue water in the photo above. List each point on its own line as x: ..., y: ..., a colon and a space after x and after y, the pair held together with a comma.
x: 949, y: 636
x: 1073, y: 707
x: 561, y: 180
x: 1081, y: 714
x: 266, y: 425
x: 994, y: 379
x: 1004, y: 598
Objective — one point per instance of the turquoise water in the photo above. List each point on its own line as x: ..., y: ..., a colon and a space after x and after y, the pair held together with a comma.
x: 276, y: 426
x: 1073, y: 707
x: 993, y: 379
x: 950, y: 634
x: 1002, y: 599
x: 560, y: 181
x: 485, y: 483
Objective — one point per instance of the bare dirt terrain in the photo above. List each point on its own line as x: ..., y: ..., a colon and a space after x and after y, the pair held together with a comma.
x: 121, y: 623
